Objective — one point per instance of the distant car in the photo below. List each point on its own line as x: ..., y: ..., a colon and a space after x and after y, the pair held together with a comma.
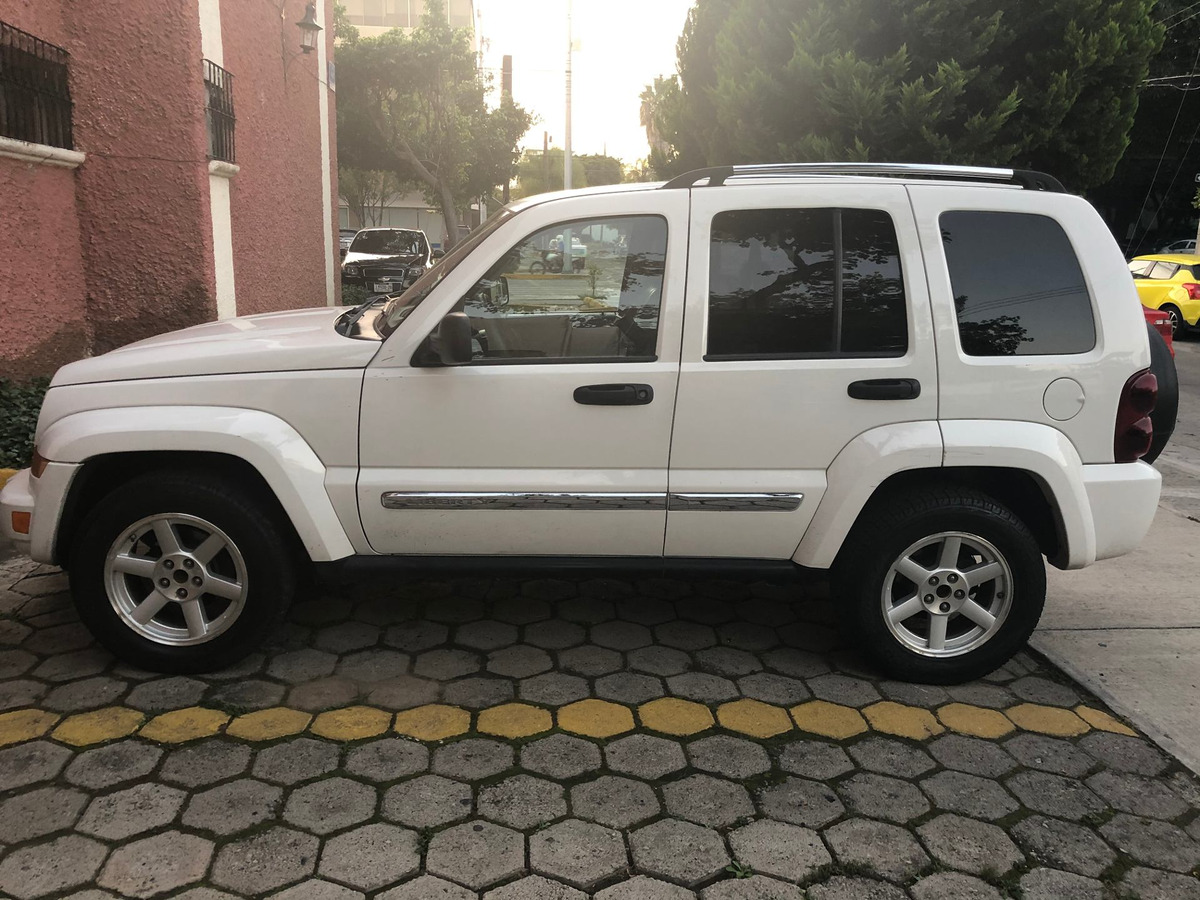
x: 386, y: 260
x: 1184, y: 246
x: 345, y: 237
x: 1170, y: 282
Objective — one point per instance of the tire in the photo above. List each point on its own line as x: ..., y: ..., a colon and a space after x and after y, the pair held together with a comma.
x: 899, y: 524
x: 537, y: 268
x: 249, y: 556
x: 1166, y: 409
x: 1178, y: 324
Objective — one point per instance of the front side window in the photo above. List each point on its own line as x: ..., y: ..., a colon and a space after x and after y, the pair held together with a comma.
x: 1140, y: 267
x: 597, y: 301
x: 1018, y: 288
x: 793, y: 283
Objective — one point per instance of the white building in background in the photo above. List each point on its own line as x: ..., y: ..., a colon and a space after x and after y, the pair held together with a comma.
x: 373, y: 18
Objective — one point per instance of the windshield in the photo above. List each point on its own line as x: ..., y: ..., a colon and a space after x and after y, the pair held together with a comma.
x: 388, y: 241
x: 400, y: 307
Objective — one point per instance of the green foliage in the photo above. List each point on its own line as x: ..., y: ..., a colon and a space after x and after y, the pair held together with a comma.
x: 416, y: 106
x: 365, y: 191
x: 1050, y: 84
x: 598, y: 168
x: 354, y: 294
x: 739, y: 869
x: 20, y: 403
x: 538, y: 172
x: 343, y: 32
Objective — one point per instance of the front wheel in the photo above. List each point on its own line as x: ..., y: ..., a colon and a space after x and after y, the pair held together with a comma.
x: 181, y: 572
x: 942, y: 586
x: 1178, y: 324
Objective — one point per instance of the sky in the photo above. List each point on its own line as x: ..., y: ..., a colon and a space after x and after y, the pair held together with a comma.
x: 621, y: 45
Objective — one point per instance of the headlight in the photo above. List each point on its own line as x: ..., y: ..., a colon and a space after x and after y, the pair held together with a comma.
x: 352, y: 270
x: 413, y: 274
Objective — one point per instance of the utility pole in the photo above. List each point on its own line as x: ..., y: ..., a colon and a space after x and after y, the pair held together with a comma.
x: 567, y: 149
x: 506, y: 92
x: 546, y: 160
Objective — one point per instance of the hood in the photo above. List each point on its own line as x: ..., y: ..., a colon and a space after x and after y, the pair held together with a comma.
x: 273, y: 342
x: 356, y: 256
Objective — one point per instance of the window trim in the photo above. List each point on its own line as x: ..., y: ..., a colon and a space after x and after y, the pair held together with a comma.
x: 838, y: 294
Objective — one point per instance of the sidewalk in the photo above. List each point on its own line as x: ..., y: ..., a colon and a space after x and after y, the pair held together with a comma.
x: 1128, y: 629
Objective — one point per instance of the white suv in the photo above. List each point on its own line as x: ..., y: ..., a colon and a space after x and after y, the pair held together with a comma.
x: 925, y: 379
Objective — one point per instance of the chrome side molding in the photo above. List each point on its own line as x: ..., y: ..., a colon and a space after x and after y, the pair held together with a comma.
x: 693, y: 502
x: 679, y: 502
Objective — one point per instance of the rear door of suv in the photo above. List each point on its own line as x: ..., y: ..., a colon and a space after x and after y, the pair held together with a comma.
x: 807, y: 323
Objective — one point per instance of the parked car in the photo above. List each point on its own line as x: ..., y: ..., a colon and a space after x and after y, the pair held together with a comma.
x: 1170, y: 282
x: 1187, y: 245
x: 345, y: 238
x: 403, y: 252
x: 924, y: 380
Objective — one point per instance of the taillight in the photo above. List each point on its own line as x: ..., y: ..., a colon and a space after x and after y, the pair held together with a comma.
x: 1135, y: 431
x: 1193, y: 290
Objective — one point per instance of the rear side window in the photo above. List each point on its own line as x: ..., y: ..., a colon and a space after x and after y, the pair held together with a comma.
x: 1018, y: 288
x: 794, y: 283
x: 1163, y: 271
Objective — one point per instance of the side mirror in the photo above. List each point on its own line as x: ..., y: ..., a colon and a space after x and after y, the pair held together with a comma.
x: 438, y: 254
x: 450, y: 344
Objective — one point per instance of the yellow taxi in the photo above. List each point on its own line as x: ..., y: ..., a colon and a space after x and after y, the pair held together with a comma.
x: 1170, y: 282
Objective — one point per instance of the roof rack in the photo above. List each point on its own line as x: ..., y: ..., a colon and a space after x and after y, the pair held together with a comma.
x: 1030, y: 180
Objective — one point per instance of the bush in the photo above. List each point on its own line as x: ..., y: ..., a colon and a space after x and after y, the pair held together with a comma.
x: 19, y: 406
x: 354, y: 294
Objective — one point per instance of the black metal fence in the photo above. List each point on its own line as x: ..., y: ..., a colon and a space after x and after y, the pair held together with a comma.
x: 35, y: 96
x: 218, y: 111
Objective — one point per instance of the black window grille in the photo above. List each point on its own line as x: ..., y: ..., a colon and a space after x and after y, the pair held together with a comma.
x: 218, y: 112
x: 35, y: 96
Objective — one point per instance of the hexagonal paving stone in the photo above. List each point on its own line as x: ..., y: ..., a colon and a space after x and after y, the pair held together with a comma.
x: 63, y: 863
x: 891, y: 757
x: 30, y: 763
x: 706, y: 800
x: 641, y: 887
x: 612, y: 800
x: 1047, y: 754
x: 486, y: 634
x: 534, y: 887
x: 678, y: 851
x: 330, y: 805
x: 427, y: 801
x: 347, y: 636
x: 522, y: 802
x: 371, y: 857
x: 88, y: 693
x: 881, y: 797
x: 553, y: 689
x: 776, y: 848
x: 476, y: 854
x: 728, y: 661
x: 472, y: 759
x: 1150, y: 884
x: 815, y: 759
x: 1051, y: 884
x: 801, y: 802
x: 205, y: 762
x: 644, y: 756
x: 324, y: 693
x: 295, y: 760
x: 754, y: 887
x: 956, y: 885
x: 685, y: 636
x: 702, y: 687
x: 968, y: 845
x: 445, y: 664
x: 374, y: 665
x: 658, y: 660
x: 579, y: 853
x: 589, y: 660
x: 162, y: 694
x: 777, y: 689
x: 973, y: 755
x: 970, y: 795
x: 121, y: 815
x: 416, y: 636
x: 1054, y: 795
x: 317, y: 889
x: 1138, y: 795
x: 252, y: 694
x: 748, y: 636
x: 629, y: 687
x: 39, y: 812
x: 1125, y: 754
x: 301, y: 665
x: 428, y: 888
x: 387, y: 759
x: 621, y: 635
x: 554, y: 634
x: 403, y: 692
x: 885, y: 849
x: 1157, y: 844
x: 266, y: 861
x: 795, y: 663
x: 844, y: 690
x: 157, y: 864
x: 1063, y: 845
x: 233, y: 807
x: 732, y: 757
x: 113, y: 764
x: 519, y: 661
x: 561, y: 756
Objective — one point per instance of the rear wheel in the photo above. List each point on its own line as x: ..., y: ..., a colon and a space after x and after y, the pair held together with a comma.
x: 1178, y: 325
x: 180, y: 572
x: 1166, y: 407
x: 942, y: 585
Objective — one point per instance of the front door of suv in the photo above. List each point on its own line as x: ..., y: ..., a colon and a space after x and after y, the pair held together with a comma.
x: 554, y: 439
x: 807, y: 324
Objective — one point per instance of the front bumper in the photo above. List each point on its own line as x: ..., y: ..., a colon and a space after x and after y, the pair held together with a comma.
x: 1123, y: 498
x: 43, y: 498
x: 16, y: 497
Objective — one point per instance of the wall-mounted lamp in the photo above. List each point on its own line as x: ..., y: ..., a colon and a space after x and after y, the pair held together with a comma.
x: 309, y: 29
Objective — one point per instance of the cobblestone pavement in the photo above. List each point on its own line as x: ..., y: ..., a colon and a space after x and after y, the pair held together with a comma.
x: 550, y: 740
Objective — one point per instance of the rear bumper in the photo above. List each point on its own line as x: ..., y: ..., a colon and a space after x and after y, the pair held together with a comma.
x: 1123, y: 498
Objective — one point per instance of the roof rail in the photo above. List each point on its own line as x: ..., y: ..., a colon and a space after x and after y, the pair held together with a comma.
x: 1030, y: 180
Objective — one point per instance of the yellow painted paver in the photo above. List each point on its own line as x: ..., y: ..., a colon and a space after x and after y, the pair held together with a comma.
x: 829, y: 719
x: 975, y: 720
x: 181, y: 725
x: 904, y: 721
x: 433, y: 722
x: 670, y: 715
x: 1102, y: 721
x: 98, y: 726
x: 1047, y: 720
x: 24, y: 725
x: 269, y: 724
x: 754, y: 718
x: 352, y: 723
x: 595, y: 718
x: 6, y: 474
x: 514, y: 720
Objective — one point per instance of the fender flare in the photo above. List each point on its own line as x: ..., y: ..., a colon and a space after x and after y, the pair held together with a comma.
x: 274, y: 448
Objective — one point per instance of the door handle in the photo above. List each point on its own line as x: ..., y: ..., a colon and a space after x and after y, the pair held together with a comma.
x: 885, y: 389
x: 614, y: 394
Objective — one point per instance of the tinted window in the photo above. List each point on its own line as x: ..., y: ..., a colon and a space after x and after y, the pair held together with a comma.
x: 805, y: 282
x: 1018, y: 288
x: 1163, y: 271
x: 534, y: 305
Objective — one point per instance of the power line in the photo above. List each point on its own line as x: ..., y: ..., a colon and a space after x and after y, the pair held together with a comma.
x: 1179, y: 12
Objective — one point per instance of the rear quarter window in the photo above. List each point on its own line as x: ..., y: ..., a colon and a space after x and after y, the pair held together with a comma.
x: 1017, y: 284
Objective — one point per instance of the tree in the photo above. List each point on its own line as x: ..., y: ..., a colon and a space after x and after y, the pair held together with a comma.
x: 415, y: 106
x: 538, y: 173
x: 599, y: 169
x: 1043, y: 83
x: 365, y: 193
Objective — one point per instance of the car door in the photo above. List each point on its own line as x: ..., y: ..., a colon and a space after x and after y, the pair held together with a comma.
x: 1159, y: 283
x: 554, y: 439
x: 807, y: 324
